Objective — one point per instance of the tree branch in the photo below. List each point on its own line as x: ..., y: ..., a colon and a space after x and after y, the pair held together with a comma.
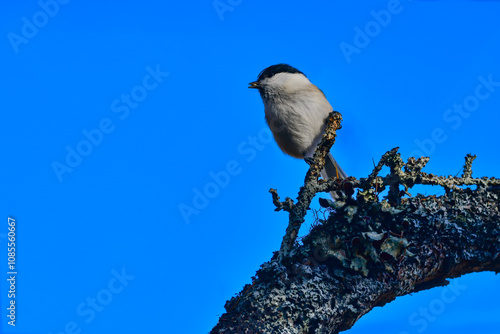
x: 297, y: 212
x: 369, y: 251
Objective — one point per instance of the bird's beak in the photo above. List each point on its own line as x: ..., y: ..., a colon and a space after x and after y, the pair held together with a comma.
x: 254, y: 84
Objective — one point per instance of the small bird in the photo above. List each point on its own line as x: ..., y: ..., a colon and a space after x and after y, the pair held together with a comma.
x: 296, y: 112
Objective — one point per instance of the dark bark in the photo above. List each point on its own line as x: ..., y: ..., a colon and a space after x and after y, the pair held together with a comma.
x: 368, y: 252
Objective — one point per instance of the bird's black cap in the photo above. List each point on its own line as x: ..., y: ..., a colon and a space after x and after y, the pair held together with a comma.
x: 275, y: 69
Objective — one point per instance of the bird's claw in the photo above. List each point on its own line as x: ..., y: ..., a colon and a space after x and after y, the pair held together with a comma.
x: 309, y: 161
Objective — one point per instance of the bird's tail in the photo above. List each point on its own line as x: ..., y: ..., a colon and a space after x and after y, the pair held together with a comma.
x: 332, y: 170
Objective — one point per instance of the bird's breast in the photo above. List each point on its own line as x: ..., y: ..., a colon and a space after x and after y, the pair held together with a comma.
x: 296, y: 121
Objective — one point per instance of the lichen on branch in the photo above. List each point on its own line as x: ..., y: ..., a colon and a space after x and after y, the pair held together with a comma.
x: 401, y: 174
x: 368, y: 251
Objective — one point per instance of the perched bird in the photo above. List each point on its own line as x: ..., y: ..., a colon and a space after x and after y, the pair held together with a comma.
x: 296, y: 112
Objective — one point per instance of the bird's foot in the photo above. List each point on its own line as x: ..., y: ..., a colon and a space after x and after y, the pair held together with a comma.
x: 309, y: 160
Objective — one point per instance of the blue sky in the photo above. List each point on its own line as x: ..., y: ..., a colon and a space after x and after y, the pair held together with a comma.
x: 116, y: 116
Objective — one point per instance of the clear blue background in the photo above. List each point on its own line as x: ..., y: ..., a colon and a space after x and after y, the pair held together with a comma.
x: 119, y: 208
